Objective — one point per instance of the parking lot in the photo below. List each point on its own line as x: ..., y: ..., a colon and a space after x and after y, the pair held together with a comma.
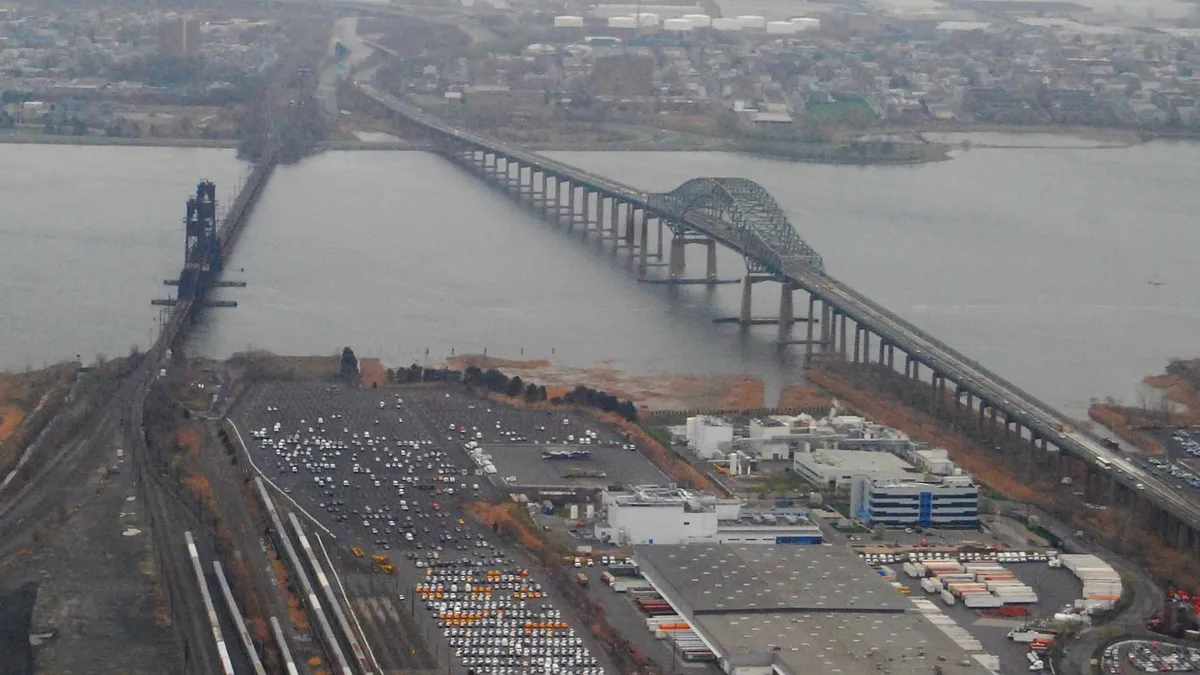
x: 386, y: 473
x: 1180, y: 465
x: 522, y: 464
x: 1128, y: 657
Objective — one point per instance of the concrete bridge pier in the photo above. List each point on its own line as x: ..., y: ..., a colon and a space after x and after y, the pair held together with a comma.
x: 808, y: 338
x: 842, y: 351
x: 787, y: 315
x: 587, y: 209
x: 866, y: 346
x: 644, y: 242
x: 570, y: 205
x: 858, y: 331
x: 678, y: 259
x: 630, y: 227
x: 746, y: 316
x: 826, y: 345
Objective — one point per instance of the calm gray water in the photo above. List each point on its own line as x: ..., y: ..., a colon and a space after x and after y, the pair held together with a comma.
x: 1035, y: 262
x: 87, y: 234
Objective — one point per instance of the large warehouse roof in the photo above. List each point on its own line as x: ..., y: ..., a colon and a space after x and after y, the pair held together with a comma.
x: 800, y: 609
x: 717, y: 578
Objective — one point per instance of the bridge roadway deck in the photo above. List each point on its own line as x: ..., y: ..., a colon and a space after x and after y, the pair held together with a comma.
x: 1016, y: 404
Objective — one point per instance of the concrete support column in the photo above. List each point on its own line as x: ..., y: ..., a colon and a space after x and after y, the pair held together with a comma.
x: 629, y: 227
x: 613, y: 207
x: 908, y: 362
x: 545, y: 188
x: 866, y: 346
x: 643, y: 265
x: 808, y: 340
x: 710, y: 266
x: 660, y: 239
x: 916, y: 370
x: 787, y: 312
x: 891, y: 357
x: 882, y: 351
x: 826, y: 322
x: 587, y: 208
x: 747, y: 299
x: 677, y: 261
x: 570, y: 205
x: 842, y: 351
x: 858, y: 332
x: 982, y: 409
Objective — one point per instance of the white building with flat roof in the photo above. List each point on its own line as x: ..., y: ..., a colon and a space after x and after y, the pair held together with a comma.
x: 648, y: 514
x: 706, y: 436
x: 838, y: 468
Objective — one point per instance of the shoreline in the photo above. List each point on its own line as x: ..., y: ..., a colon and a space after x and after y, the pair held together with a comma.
x: 1104, y: 139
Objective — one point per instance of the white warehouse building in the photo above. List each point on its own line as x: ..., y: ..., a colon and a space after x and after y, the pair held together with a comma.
x: 707, y: 436
x: 650, y: 514
x: 838, y: 468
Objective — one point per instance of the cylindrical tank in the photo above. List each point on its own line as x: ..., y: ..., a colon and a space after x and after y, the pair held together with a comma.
x: 699, y: 20
x: 568, y: 22
x: 752, y: 21
x: 782, y: 28
x: 622, y: 22
x: 807, y: 23
x: 677, y: 25
x: 723, y: 23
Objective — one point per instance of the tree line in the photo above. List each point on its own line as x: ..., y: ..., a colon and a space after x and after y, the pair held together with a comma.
x: 514, y: 387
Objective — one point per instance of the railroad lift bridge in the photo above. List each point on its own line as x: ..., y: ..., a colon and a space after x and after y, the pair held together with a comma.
x: 203, y: 257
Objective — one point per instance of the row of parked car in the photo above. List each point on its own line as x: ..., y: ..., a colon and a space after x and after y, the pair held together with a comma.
x: 1162, y: 466
x: 497, y: 624
x: 1159, y: 657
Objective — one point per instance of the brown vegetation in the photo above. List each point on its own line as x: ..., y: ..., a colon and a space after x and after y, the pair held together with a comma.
x: 1124, y: 423
x: 27, y: 403
x: 262, y: 365
x: 511, y: 519
x: 716, y: 391
x: 803, y: 395
x: 372, y: 373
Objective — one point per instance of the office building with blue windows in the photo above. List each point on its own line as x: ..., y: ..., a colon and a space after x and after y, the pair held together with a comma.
x: 951, y: 502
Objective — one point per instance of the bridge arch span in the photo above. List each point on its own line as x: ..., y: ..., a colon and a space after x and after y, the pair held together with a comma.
x: 769, y: 237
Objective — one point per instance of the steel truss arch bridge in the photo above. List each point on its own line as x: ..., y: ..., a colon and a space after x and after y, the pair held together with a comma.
x: 767, y: 238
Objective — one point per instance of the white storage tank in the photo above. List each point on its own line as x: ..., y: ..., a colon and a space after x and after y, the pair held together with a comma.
x: 677, y: 25
x: 622, y: 22
x: 723, y: 23
x: 752, y: 21
x: 648, y: 19
x: 568, y: 22
x: 699, y: 20
x: 782, y: 28
x: 807, y: 23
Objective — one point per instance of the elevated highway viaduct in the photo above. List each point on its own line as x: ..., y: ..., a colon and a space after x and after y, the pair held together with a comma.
x: 840, y: 322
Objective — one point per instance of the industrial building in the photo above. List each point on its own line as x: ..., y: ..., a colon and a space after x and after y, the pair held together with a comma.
x: 647, y: 514
x: 950, y: 501
x: 799, y: 609
x: 838, y: 468
x: 707, y: 436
